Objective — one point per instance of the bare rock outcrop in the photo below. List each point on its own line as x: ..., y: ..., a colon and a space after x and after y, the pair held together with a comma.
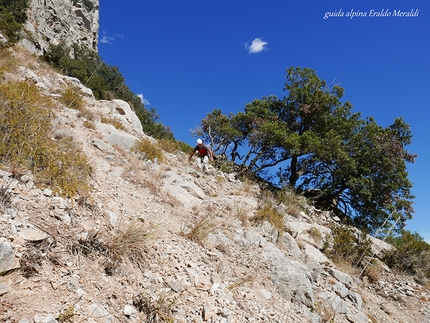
x: 53, y: 21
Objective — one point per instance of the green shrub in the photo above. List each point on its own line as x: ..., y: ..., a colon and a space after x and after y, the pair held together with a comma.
x: 26, y: 141
x: 346, y: 245
x: 412, y: 254
x: 148, y: 149
x: 12, y: 18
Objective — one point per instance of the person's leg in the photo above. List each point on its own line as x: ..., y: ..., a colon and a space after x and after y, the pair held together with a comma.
x: 206, y: 163
x: 199, y: 163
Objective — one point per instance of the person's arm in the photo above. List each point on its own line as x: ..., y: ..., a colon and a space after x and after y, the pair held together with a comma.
x: 191, y: 155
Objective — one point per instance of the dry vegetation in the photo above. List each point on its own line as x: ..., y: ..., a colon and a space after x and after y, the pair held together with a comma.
x: 28, y: 142
x: 199, y: 232
x: 148, y: 150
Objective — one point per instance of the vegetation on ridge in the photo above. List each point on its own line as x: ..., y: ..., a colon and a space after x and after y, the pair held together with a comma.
x: 105, y: 81
x: 12, y: 17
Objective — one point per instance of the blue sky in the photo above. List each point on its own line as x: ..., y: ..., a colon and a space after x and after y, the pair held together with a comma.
x: 186, y: 58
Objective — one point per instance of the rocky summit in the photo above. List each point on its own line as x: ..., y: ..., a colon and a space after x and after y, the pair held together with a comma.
x: 159, y: 241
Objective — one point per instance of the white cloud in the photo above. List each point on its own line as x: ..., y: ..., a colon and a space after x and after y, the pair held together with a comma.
x: 109, y: 39
x: 142, y: 98
x: 257, y: 46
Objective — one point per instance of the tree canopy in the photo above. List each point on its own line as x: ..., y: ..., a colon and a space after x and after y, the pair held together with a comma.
x: 312, y: 142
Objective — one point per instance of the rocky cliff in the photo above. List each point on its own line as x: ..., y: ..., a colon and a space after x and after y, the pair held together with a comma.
x: 51, y: 21
x: 202, y: 258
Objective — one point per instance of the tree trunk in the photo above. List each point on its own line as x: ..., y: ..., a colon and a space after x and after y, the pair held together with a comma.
x: 293, y: 176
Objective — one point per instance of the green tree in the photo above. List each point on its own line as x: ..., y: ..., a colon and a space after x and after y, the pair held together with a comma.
x: 321, y: 149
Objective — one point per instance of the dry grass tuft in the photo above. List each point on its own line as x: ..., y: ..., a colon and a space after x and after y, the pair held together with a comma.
x: 157, y: 310
x: 170, y: 199
x: 241, y: 213
x: 168, y: 145
x: 373, y: 272
x: 114, y: 122
x: 7, y: 61
x: 326, y: 312
x: 131, y: 243
x: 67, y: 315
x: 149, y: 150
x: 347, y: 245
x: 201, y: 229
x: 5, y: 197
x: 72, y: 98
x: 248, y: 279
x: 267, y: 212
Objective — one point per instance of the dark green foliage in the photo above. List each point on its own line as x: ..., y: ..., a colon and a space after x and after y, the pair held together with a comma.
x: 105, y: 81
x: 12, y: 17
x: 412, y: 254
x: 320, y: 149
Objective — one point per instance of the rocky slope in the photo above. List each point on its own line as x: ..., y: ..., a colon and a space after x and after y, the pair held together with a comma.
x: 203, y: 258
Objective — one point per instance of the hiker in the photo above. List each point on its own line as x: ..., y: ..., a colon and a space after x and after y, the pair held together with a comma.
x: 204, y: 155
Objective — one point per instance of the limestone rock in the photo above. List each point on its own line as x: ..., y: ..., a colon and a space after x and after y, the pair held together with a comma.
x: 51, y: 21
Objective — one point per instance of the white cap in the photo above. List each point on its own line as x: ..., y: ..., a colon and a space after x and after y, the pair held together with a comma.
x: 199, y: 141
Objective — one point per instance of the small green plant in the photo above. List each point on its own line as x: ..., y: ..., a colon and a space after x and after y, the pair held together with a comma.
x: 347, y: 245
x: 106, y: 82
x: 72, y: 98
x: 148, y: 149
x: 267, y: 212
x: 12, y: 18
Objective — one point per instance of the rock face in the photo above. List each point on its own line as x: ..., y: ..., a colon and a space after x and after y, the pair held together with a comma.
x: 50, y: 21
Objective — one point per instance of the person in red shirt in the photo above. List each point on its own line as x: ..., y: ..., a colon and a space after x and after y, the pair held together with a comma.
x: 204, y: 155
